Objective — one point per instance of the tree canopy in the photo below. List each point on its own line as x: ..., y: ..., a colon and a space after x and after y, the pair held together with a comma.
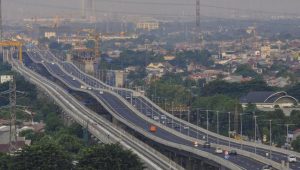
x: 109, y: 156
x: 46, y: 156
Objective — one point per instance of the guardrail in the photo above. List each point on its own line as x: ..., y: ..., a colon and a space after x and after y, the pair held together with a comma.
x: 161, y: 157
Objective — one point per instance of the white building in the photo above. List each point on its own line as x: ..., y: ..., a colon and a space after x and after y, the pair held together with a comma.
x: 5, y: 78
x: 267, y: 99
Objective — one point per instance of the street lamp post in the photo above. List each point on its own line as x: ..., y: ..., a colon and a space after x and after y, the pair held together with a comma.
x: 229, y: 128
x: 207, y: 125
x: 241, y: 118
x: 218, y: 126
x: 255, y: 133
x: 188, y: 113
x: 270, y: 139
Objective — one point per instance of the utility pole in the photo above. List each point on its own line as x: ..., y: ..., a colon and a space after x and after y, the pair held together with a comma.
x: 198, y: 15
x: 12, y: 127
x: 198, y: 32
x: 83, y: 9
x: 236, y: 118
x: 207, y: 125
x: 218, y: 126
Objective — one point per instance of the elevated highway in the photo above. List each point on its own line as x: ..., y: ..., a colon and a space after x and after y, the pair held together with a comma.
x: 98, y: 126
x: 139, y: 106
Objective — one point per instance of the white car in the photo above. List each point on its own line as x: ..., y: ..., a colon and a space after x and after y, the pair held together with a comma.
x: 219, y: 150
x: 292, y: 158
x: 164, y: 117
x: 101, y: 92
x: 52, y: 63
x: 156, y: 118
x: 185, y: 127
x: 267, y: 167
x: 73, y: 78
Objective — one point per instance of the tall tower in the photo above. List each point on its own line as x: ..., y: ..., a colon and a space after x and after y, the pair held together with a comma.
x: 198, y: 18
x: 198, y: 15
x: 1, y: 28
x: 83, y: 9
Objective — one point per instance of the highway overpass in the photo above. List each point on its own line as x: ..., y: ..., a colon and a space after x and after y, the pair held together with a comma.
x: 134, y: 110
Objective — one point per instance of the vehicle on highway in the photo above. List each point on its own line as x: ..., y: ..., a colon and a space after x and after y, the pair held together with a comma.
x: 206, y: 145
x: 218, y: 150
x: 101, y: 92
x: 52, y: 63
x: 185, y: 127
x: 73, y: 78
x: 233, y: 152
x: 127, y: 97
x: 292, y: 158
x: 196, y: 144
x: 148, y: 114
x: 267, y: 167
x: 169, y: 121
x: 152, y: 128
x: 176, y: 126
x: 164, y: 117
x: 156, y: 118
x: 89, y: 88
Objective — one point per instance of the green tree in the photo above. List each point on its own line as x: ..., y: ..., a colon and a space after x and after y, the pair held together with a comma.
x: 5, y: 161
x: 53, y: 122
x: 294, y: 91
x: 234, y: 89
x: 295, y: 118
x: 246, y: 71
x: 45, y: 155
x: 109, y: 156
x: 70, y: 143
x: 296, y: 144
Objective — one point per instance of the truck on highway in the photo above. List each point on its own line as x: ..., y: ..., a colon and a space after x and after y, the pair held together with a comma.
x: 152, y: 128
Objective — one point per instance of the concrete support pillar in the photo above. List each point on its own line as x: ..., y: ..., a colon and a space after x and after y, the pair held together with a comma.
x: 69, y: 58
x: 202, y: 165
x: 282, y: 164
x: 115, y: 121
x: 189, y: 163
x: 89, y: 66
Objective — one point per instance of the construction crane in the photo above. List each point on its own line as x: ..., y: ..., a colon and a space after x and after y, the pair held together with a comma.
x: 16, y: 44
x: 94, y: 36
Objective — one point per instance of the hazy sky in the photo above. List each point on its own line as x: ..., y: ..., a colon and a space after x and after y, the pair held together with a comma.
x: 40, y: 8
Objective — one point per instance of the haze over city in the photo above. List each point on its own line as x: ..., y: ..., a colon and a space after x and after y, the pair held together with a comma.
x: 17, y: 9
